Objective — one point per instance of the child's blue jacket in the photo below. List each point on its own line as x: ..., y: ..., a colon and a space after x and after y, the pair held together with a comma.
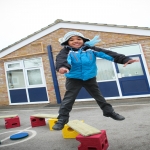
x: 82, y: 62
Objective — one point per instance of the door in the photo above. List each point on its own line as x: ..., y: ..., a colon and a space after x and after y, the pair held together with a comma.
x: 132, y: 78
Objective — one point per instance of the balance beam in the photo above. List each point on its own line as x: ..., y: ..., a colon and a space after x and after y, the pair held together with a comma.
x: 83, y: 128
x: 45, y: 116
x: 8, y: 116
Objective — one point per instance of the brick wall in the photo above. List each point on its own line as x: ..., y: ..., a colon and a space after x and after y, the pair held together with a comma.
x: 3, y: 89
x: 35, y: 50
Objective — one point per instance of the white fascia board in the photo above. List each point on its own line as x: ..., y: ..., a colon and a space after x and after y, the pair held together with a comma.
x: 80, y: 26
x: 29, y: 40
x: 121, y: 30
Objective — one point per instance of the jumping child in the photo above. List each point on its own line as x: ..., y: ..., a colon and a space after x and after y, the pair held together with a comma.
x: 77, y: 61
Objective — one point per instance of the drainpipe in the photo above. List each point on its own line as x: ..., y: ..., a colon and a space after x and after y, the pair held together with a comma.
x: 53, y: 71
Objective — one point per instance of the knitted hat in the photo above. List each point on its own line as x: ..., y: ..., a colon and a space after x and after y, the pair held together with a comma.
x: 67, y: 36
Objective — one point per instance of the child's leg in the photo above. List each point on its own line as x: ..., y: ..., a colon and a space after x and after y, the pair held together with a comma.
x: 92, y: 87
x: 73, y: 87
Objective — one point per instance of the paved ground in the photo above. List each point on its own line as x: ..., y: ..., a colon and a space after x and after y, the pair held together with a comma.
x: 131, y: 134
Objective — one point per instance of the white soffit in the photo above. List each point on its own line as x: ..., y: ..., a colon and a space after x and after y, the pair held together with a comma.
x: 81, y: 26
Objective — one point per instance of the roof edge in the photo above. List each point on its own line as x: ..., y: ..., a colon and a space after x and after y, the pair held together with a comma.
x: 74, y: 22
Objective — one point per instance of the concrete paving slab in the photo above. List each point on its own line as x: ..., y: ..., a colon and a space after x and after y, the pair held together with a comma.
x: 131, y: 134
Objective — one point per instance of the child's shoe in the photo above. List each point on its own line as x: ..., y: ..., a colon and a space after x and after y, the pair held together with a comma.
x: 115, y: 116
x: 60, y: 124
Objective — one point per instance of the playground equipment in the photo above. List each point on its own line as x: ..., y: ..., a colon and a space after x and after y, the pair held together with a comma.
x: 11, y: 121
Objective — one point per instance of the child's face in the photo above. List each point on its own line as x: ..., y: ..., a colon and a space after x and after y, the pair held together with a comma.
x: 75, y: 42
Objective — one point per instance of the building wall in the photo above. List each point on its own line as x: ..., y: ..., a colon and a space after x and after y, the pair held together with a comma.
x: 3, y: 88
x: 38, y: 48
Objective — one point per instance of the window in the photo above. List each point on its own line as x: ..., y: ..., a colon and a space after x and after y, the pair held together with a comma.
x: 15, y: 65
x: 34, y: 77
x: 105, y: 70
x: 127, y: 50
x: 30, y: 63
x: 15, y: 79
x: 131, y: 70
x: 28, y: 72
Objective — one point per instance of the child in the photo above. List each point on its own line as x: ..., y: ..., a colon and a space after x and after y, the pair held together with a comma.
x: 77, y: 60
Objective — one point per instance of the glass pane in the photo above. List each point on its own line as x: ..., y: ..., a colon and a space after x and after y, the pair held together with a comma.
x: 134, y: 69
x: 34, y: 76
x: 15, y: 65
x: 127, y: 50
x: 32, y: 63
x: 15, y: 79
x: 105, y: 70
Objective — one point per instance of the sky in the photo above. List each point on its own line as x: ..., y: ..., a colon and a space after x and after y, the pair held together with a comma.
x: 20, y: 18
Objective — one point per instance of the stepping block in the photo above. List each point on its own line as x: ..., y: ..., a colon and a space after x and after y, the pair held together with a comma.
x: 8, y: 116
x: 51, y: 123
x: 12, y: 122
x: 35, y: 122
x: 82, y: 128
x: 45, y: 116
x: 19, y: 136
x: 93, y: 142
x: 69, y: 133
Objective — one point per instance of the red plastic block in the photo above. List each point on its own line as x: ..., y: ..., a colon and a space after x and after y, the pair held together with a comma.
x: 12, y: 122
x: 93, y: 142
x: 35, y: 121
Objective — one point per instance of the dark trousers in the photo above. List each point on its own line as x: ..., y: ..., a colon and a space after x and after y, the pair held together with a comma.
x: 73, y: 87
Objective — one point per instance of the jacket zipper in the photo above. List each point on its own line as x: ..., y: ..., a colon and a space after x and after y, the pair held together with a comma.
x: 90, y: 55
x: 75, y: 56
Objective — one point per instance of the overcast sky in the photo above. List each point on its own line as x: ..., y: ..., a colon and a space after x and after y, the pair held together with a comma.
x: 20, y: 18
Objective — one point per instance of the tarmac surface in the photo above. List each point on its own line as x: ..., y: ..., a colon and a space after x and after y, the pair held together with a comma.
x: 131, y: 134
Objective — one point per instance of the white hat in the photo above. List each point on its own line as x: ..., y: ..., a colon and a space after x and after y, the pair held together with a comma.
x: 68, y: 35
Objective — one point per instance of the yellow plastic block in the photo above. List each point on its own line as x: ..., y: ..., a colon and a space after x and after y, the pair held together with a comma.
x: 51, y: 123
x: 68, y: 132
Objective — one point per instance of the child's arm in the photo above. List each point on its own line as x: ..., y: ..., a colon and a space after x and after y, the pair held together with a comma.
x: 61, y: 61
x: 118, y: 58
x: 103, y: 55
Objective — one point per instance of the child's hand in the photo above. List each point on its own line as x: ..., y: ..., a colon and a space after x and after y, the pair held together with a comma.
x: 63, y: 70
x: 130, y: 62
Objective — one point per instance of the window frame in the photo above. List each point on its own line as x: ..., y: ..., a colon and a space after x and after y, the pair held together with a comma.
x: 22, y: 66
